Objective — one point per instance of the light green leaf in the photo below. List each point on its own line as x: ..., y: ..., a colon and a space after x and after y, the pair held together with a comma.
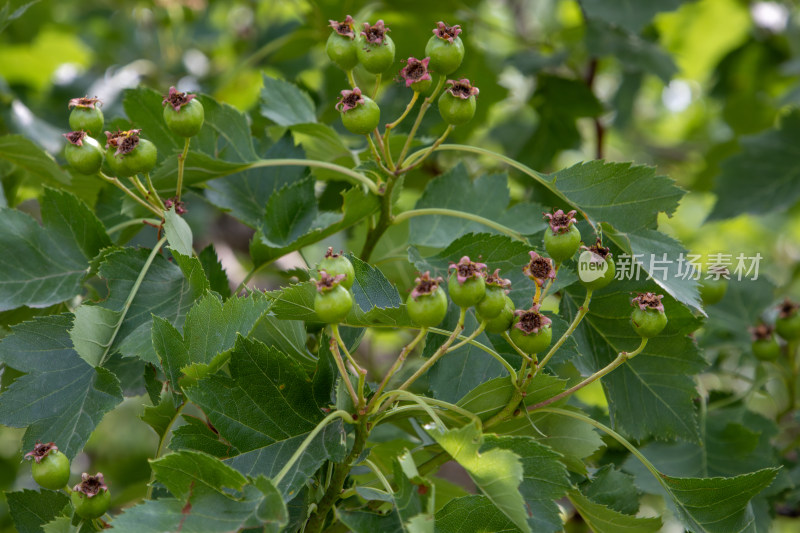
x: 23, y: 153
x: 498, y: 473
x: 285, y: 104
x: 488, y: 398
x: 31, y: 509
x: 61, y: 398
x: 161, y: 416
x: 178, y: 232
x: 93, y: 331
x: 601, y: 519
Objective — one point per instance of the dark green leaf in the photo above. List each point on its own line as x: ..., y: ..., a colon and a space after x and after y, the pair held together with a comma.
x: 487, y: 196
x: 160, y: 416
x: 762, y: 178
x: 144, y: 109
x: 629, y: 14
x: 61, y: 398
x: 488, y: 398
x: 234, y: 141
x: 284, y: 104
x: 31, y: 509
x: 48, y: 263
x: 472, y: 514
x: 217, y: 277
x: 187, y: 473
x: 290, y: 214
x: 566, y: 98
x: 195, y: 434
x: 614, y: 489
x: 634, y: 53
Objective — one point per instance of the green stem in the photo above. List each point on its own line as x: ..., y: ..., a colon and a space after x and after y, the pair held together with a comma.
x: 439, y: 353
x: 517, y: 349
x: 383, y: 223
x: 351, y: 79
x: 161, y: 442
x: 621, y: 358
x: 582, y: 311
x: 317, y: 518
x: 115, y: 181
x: 181, y: 165
x: 377, y: 471
x: 398, y: 363
x: 616, y: 436
x: 343, y: 371
x: 361, y: 372
x: 541, y: 178
x: 129, y: 301
x: 133, y: 222
x: 474, y: 334
x: 391, y: 396
x: 377, y: 86
x: 422, y: 110
x: 344, y: 415
x: 154, y: 192
x: 433, y: 464
x: 480, y: 346
x: 507, y: 411
x: 550, y: 283
x: 387, y: 152
x: 433, y: 147
x: 397, y: 122
x: 352, y: 174
x: 249, y: 276
x: 405, y: 215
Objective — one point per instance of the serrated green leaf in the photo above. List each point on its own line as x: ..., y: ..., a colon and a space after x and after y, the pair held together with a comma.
x: 544, y: 479
x: 195, y: 434
x: 164, y: 292
x: 61, y: 524
x: 170, y: 349
x: 290, y: 213
x: 208, y: 512
x: 356, y: 206
x: 246, y: 193
x: 23, y: 153
x: 49, y: 262
x: 193, y: 271
x: 321, y: 142
x: 718, y: 505
x: 161, y: 416
x: 629, y: 197
x: 658, y: 256
x: 231, y: 139
x: 614, y: 489
x: 762, y: 177
x: 741, y: 307
x: 266, y: 407
x: 487, y: 196
x: 178, y: 232
x: 463, y: 369
x: 488, y: 398
x: 601, y: 519
x: 473, y: 514
x: 93, y: 331
x: 215, y: 273
x: 187, y: 473
x: 652, y: 394
x: 61, y: 398
x: 498, y: 473
x: 288, y: 336
x: 285, y: 104
x: 365, y: 522
x: 31, y: 509
x: 199, y: 168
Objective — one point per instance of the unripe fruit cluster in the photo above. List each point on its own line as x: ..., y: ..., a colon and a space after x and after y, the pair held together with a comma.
x: 333, y: 300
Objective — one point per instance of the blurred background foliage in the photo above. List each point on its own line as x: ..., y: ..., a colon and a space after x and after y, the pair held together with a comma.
x: 706, y: 91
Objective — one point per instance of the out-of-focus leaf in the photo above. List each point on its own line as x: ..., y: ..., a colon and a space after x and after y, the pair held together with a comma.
x: 285, y: 104
x: 32, y: 509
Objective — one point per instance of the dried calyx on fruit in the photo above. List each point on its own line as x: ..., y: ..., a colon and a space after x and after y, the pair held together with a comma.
x: 128, y: 154
x: 360, y: 114
x: 86, y: 115
x: 90, y: 497
x: 123, y: 142
x: 51, y: 467
x: 532, y: 331
x: 457, y: 104
x: 445, y: 48
x: 600, y: 259
x: 494, y: 300
x: 179, y: 205
x: 427, y: 303
x: 467, y: 283
x: 563, y: 239
x: 539, y: 269
x: 85, y: 102
x: 788, y: 322
x: 183, y: 114
x: 41, y: 450
x: 335, y: 264
x: 648, y: 317
x: 377, y: 52
x: 332, y: 301
x: 765, y: 346
x: 341, y: 46
x: 82, y: 152
x: 416, y: 74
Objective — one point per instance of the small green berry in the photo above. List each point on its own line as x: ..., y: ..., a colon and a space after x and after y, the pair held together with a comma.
x: 562, y: 239
x: 91, y: 497
x: 648, y: 318
x: 765, y: 346
x: 467, y: 285
x: 445, y: 49
x: 332, y: 302
x: 502, y: 321
x: 83, y: 153
x: 494, y: 300
x: 788, y: 322
x: 86, y: 115
x: 360, y: 114
x: 457, y: 104
x: 532, y: 331
x: 341, y: 47
x: 375, y: 48
x: 427, y: 303
x: 50, y: 468
x: 183, y: 113
x: 335, y: 264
